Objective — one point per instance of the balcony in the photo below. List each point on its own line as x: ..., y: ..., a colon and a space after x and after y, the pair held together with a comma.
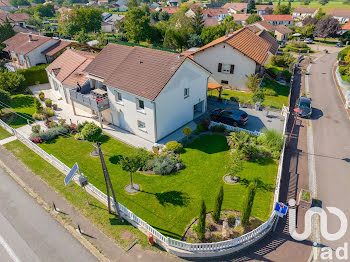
x: 13, y: 66
x: 96, y: 100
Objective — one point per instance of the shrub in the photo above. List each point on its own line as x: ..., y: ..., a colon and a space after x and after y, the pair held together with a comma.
x: 149, y: 165
x: 54, y: 106
x: 298, y: 44
x: 81, y: 126
x: 48, y: 102
x: 36, y: 139
x: 253, y: 82
x: 38, y: 106
x: 275, y: 154
x: 52, y: 124
x: 91, y: 132
x: 174, y: 146
x: 62, y: 122
x: 34, y: 75
x: 251, y: 151
x: 231, y: 219
x: 203, y: 125
x: 143, y: 157
x: 51, y: 133
x: 272, y: 139
x: 42, y: 97
x: 287, y: 75
x: 218, y: 128
x: 269, y: 92
x: 5, y: 97
x: 248, y: 203
x: 39, y: 116
x: 258, y: 96
x: 342, y: 70
x: 218, y: 203
x: 36, y: 129
x: 48, y: 112
x: 282, y: 61
x: 78, y: 136
x: 41, y: 93
x: 165, y: 164
x: 201, y: 221
x: 187, y: 131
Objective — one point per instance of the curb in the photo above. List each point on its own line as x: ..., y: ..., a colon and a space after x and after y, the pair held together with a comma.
x: 339, y: 90
x: 84, y: 242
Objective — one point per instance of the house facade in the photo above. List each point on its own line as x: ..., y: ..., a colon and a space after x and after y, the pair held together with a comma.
x: 27, y: 50
x: 342, y: 15
x: 234, y: 57
x: 18, y: 19
x: 301, y: 12
x: 150, y: 93
x: 240, y: 18
x: 282, y: 32
x: 286, y: 20
x: 265, y: 9
x: 6, y: 6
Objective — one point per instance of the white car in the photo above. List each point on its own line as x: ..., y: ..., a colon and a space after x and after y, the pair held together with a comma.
x: 308, y: 41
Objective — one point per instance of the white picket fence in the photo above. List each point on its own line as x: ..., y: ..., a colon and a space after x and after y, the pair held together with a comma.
x: 171, y: 245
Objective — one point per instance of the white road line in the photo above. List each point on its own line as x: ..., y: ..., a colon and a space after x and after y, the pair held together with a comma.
x: 9, y: 250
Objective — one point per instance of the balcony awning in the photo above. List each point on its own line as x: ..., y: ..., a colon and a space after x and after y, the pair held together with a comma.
x: 212, y: 86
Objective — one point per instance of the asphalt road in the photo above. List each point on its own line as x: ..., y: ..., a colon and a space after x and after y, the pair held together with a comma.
x: 331, y: 131
x: 29, y: 233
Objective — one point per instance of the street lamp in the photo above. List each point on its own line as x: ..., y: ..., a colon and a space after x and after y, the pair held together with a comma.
x: 297, y: 111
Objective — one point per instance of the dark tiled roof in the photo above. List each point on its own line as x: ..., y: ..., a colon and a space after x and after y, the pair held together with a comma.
x: 270, y: 39
x: 21, y: 44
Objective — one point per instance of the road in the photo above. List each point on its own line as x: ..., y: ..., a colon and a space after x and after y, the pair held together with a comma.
x: 29, y: 233
x: 331, y: 132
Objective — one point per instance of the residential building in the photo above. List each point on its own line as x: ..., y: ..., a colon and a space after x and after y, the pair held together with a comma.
x: 217, y: 13
x: 234, y: 57
x: 265, y: 9
x: 6, y: 6
x: 110, y: 22
x: 270, y: 39
x: 173, y: 3
x: 211, y: 22
x: 342, y: 15
x: 286, y: 20
x: 282, y: 32
x: 151, y: 93
x: 263, y: 25
x: 213, y: 5
x: 18, y: 19
x: 28, y: 50
x: 301, y: 12
x: 102, y: 2
x: 169, y: 9
x: 240, y: 18
x: 236, y: 8
x: 66, y: 73
x: 123, y: 8
x: 345, y: 27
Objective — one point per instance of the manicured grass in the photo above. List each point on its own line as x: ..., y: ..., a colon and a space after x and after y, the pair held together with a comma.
x: 24, y: 106
x: 4, y: 134
x: 96, y: 211
x: 170, y: 202
x: 270, y: 101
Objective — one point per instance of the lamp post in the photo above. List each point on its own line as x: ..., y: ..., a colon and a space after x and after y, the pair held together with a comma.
x: 297, y: 111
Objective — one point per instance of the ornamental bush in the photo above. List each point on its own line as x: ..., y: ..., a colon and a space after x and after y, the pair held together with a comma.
x: 91, y: 132
x: 48, y: 102
x: 272, y: 139
x: 36, y: 129
x: 201, y: 221
x: 51, y: 133
x: 165, y: 164
x: 248, y: 203
x: 231, y: 219
x: 5, y: 97
x: 81, y: 126
x: 174, y: 146
x: 282, y: 61
x: 48, y: 112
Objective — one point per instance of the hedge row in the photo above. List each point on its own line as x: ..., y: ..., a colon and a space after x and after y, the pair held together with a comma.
x: 34, y: 75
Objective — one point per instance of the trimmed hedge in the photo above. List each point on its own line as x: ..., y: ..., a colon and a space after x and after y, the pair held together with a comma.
x: 34, y: 75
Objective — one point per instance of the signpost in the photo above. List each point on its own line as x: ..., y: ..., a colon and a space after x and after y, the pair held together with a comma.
x: 71, y: 174
x: 280, y: 210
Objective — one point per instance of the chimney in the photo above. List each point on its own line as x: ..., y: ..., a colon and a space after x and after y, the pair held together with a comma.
x: 30, y: 38
x: 179, y: 56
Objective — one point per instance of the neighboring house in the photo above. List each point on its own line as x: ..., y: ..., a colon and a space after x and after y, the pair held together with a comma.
x: 211, y: 22
x: 265, y: 9
x: 18, y: 19
x: 234, y: 57
x: 345, y: 27
x: 107, y: 27
x: 154, y: 5
x: 151, y: 93
x: 123, y: 8
x: 263, y: 25
x: 102, y: 2
x: 110, y: 22
x: 170, y: 10
x: 27, y: 50
x: 286, y: 20
x: 236, y: 8
x: 217, y: 13
x: 6, y: 6
x: 213, y: 5
x: 342, y: 15
x: 173, y: 3
x: 301, y: 12
x: 282, y: 32
x: 240, y: 18
x: 270, y: 39
x: 66, y: 73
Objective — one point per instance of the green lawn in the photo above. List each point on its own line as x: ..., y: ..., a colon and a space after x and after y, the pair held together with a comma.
x: 170, y: 202
x: 270, y: 101
x: 24, y: 106
x: 316, y: 4
x: 4, y: 133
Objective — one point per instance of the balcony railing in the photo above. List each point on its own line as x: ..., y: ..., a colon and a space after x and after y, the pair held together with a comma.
x: 97, y: 104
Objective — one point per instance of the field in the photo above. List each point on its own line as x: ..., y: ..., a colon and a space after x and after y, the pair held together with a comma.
x: 316, y: 4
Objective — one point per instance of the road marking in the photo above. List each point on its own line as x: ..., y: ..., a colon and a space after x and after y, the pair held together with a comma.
x: 9, y: 250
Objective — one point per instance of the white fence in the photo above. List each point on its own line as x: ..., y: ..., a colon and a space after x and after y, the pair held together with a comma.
x: 234, y: 128
x: 174, y: 246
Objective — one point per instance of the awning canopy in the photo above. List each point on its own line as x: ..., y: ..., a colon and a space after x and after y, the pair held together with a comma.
x: 212, y: 86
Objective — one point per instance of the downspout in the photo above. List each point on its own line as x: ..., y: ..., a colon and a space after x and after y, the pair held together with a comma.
x: 155, y: 121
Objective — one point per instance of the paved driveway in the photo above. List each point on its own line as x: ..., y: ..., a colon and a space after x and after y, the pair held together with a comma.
x: 258, y: 120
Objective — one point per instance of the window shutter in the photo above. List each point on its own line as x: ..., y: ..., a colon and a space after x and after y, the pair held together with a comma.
x: 232, y: 69
x: 219, y: 67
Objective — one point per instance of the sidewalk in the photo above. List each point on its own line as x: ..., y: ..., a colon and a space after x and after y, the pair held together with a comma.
x: 109, y: 249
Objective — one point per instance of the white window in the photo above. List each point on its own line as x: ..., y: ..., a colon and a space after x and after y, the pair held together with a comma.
x: 226, y: 68
x: 118, y: 97
x: 141, y: 125
x: 140, y: 105
x: 186, y: 92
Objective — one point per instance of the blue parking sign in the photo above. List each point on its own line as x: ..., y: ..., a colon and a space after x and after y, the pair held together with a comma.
x: 281, y: 209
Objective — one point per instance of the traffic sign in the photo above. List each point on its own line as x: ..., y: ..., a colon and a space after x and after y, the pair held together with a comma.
x: 71, y: 174
x: 281, y: 209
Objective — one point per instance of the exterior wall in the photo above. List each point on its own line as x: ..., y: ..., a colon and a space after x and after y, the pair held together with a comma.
x: 108, y: 28
x: 36, y: 57
x: 173, y: 110
x: 224, y: 53
x: 127, y: 110
x: 281, y: 37
x: 286, y: 23
x: 342, y: 20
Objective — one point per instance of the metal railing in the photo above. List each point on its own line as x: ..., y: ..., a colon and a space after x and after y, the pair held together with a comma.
x: 168, y: 243
x: 89, y: 101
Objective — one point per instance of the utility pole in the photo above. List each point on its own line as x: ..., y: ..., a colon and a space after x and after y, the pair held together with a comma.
x: 108, y: 182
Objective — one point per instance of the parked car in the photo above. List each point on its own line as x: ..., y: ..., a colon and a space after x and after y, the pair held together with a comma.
x: 339, y: 44
x: 232, y: 117
x: 304, y: 104
x: 282, y: 44
x: 308, y: 41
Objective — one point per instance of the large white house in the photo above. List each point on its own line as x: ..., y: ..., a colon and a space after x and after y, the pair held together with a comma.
x: 147, y: 92
x: 234, y: 57
x: 342, y: 15
x: 302, y: 12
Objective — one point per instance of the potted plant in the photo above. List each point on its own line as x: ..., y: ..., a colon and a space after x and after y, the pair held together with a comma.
x: 305, y: 199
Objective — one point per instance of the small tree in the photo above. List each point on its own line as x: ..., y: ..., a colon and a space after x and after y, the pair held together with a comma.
x: 248, y: 203
x: 253, y: 82
x: 5, y: 97
x: 218, y: 203
x: 131, y: 164
x: 258, y: 96
x: 37, y: 105
x: 236, y: 163
x: 253, y: 18
x: 187, y: 131
x: 91, y: 132
x: 201, y: 221
x: 250, y: 6
x: 164, y: 16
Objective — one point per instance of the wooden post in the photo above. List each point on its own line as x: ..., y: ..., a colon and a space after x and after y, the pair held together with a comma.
x: 73, y: 108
